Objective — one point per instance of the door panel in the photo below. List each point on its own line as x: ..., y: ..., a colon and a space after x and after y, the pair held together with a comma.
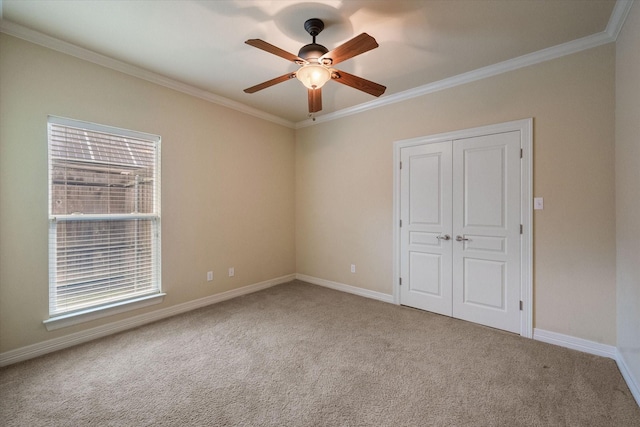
x: 483, y: 169
x: 468, y: 189
x: 424, y: 270
x: 484, y: 283
x: 486, y: 220
x: 425, y: 183
x: 426, y: 215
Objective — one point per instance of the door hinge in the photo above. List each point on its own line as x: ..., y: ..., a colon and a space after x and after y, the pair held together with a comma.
x: 521, y: 153
x: 520, y: 228
x: 400, y: 282
x: 400, y: 165
x: 521, y: 305
x: 400, y: 223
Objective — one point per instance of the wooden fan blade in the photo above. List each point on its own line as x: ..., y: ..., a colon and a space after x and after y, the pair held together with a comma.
x: 315, y: 100
x: 359, y: 83
x: 269, y: 83
x: 357, y: 45
x: 267, y: 47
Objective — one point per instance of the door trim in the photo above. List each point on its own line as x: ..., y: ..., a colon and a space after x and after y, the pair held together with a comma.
x: 525, y: 127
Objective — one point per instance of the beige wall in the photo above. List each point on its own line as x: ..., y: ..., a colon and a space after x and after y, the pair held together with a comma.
x: 234, y: 185
x: 344, y: 185
x: 628, y: 190
x: 227, y: 183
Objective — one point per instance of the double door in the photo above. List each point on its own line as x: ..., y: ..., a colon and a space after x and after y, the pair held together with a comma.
x: 461, y: 228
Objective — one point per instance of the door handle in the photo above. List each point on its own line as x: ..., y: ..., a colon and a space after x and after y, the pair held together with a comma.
x: 445, y: 237
x: 461, y: 239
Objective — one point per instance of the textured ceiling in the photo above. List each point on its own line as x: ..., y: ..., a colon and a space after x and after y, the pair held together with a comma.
x: 201, y: 43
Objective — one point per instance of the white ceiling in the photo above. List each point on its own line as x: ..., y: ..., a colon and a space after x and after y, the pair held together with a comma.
x: 201, y: 43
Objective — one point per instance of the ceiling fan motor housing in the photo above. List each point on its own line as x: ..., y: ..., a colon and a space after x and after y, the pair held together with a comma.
x: 312, y: 52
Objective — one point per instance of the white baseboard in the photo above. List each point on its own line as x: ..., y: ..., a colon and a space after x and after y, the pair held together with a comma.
x: 632, y: 382
x: 574, y: 343
x: 35, y: 350
x: 592, y: 347
x: 346, y: 288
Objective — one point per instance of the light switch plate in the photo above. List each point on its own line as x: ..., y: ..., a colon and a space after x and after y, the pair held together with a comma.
x: 538, y: 203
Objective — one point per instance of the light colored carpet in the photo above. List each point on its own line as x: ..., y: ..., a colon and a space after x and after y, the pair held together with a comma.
x: 302, y: 355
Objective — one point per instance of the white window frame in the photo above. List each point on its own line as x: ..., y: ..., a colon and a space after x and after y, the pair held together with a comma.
x: 155, y: 295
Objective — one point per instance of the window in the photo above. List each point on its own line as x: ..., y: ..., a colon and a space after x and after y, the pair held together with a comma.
x: 104, y: 215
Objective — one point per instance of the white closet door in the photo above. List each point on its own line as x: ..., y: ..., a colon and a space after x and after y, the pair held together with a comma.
x: 486, y: 230
x: 426, y: 223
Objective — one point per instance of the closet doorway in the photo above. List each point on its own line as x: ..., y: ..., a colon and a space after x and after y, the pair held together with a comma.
x: 463, y: 229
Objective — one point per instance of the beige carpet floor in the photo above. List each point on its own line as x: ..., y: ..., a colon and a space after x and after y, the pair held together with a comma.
x: 302, y: 355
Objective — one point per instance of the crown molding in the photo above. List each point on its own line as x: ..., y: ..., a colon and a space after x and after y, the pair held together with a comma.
x: 618, y: 16
x: 610, y: 34
x: 36, y: 37
x: 616, y: 22
x: 543, y: 55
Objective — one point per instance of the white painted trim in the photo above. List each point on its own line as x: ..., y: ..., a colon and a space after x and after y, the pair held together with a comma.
x: 396, y: 223
x: 595, y: 348
x: 610, y: 34
x: 632, y: 383
x: 525, y: 127
x: 543, y: 55
x: 32, y: 36
x: 526, y: 243
x: 39, y: 349
x: 346, y: 288
x: 69, y: 319
x: 618, y: 16
x: 616, y: 21
x: 574, y: 343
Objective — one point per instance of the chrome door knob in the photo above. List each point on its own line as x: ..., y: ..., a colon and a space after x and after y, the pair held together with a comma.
x: 460, y: 238
x: 445, y: 237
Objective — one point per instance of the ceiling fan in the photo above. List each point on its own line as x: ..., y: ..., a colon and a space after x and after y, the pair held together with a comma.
x: 316, y: 64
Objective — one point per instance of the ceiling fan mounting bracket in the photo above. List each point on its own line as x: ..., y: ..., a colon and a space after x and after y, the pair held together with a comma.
x: 314, y: 26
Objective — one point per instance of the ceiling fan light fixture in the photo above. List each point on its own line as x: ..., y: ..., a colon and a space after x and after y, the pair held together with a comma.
x: 313, y: 76
x: 316, y: 64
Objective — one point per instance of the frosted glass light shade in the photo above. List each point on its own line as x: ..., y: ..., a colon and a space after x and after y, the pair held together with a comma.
x: 313, y: 76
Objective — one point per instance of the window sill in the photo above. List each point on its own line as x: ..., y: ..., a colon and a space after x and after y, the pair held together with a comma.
x: 64, y: 320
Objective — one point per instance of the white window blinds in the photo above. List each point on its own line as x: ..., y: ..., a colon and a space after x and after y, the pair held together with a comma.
x: 104, y: 212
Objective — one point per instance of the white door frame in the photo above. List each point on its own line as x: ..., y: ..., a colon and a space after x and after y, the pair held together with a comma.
x: 525, y: 127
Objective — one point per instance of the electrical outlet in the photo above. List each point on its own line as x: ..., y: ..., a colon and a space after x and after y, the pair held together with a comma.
x: 209, y: 276
x: 353, y: 268
x: 232, y: 272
